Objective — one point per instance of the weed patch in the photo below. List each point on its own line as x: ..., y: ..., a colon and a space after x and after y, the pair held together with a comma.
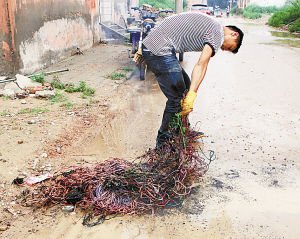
x: 283, y: 34
x: 292, y: 43
x: 253, y: 11
x: 4, y: 113
x: 70, y: 88
x: 295, y: 27
x: 58, y: 97
x: 68, y: 105
x: 116, y: 76
x: 57, y: 84
x: 127, y: 69
x: 33, y: 111
x: 86, y: 91
x: 91, y: 102
x: 5, y: 97
x: 289, y: 15
x: 40, y: 78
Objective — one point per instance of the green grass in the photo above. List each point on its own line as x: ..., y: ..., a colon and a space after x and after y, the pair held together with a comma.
x: 86, y: 91
x: 116, y: 76
x: 58, y: 97
x: 4, y: 113
x: 127, y: 69
x: 71, y: 88
x: 5, y: 97
x: 57, y: 84
x: 283, y: 34
x: 91, y: 102
x: 292, y: 43
x: 290, y: 14
x: 38, y: 78
x: 258, y: 9
x: 295, y: 27
x: 33, y: 111
x: 250, y: 24
x: 68, y: 105
x: 253, y: 11
x: 252, y: 15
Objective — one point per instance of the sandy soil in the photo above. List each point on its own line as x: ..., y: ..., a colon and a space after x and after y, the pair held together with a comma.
x: 248, y: 106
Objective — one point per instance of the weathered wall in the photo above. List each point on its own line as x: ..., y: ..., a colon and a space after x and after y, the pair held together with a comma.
x: 120, y: 11
x: 37, y: 33
x: 6, y: 51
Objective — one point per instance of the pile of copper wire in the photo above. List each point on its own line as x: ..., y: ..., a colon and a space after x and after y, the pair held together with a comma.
x: 161, y: 177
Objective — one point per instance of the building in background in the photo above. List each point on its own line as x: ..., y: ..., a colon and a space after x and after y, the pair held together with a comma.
x: 242, y: 3
x: 265, y: 3
x: 191, y: 2
x: 37, y: 33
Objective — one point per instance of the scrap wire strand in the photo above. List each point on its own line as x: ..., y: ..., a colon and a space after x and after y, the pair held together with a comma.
x: 118, y: 186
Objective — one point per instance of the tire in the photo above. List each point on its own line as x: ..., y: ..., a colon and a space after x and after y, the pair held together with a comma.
x: 143, y: 70
x: 180, y: 56
x: 134, y: 49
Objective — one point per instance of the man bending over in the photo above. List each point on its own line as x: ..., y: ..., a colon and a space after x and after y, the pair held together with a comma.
x: 180, y: 33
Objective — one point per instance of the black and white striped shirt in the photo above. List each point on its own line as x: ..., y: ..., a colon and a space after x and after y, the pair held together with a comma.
x: 185, y: 32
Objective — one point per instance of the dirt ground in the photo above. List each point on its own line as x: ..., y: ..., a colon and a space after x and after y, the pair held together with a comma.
x: 248, y: 106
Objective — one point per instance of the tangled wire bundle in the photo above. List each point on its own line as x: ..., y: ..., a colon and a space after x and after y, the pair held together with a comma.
x: 162, y: 176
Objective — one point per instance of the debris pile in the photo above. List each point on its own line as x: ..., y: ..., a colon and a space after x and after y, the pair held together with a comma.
x: 161, y: 177
x: 22, y: 86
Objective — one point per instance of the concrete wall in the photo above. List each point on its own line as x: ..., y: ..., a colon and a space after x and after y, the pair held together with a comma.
x: 6, y: 50
x: 243, y: 3
x: 37, y: 33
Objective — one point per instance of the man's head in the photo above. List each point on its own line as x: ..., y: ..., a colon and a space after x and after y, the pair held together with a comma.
x: 233, y: 38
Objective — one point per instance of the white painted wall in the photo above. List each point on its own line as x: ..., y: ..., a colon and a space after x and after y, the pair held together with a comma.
x: 106, y: 10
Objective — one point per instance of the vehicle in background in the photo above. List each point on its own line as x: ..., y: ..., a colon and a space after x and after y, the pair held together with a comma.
x: 218, y: 12
x: 144, y: 25
x: 200, y: 8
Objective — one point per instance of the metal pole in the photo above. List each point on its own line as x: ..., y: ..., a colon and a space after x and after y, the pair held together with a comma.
x: 178, y: 6
x: 52, y: 72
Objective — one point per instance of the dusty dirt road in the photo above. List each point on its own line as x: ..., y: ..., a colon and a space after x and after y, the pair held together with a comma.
x: 248, y: 106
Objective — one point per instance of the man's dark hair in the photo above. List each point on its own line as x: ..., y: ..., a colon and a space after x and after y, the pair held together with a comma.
x: 239, y: 39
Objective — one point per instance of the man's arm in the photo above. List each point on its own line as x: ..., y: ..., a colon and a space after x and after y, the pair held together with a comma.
x: 199, y: 70
x: 198, y: 74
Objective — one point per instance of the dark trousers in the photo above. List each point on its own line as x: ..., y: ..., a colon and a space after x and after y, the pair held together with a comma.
x: 173, y: 82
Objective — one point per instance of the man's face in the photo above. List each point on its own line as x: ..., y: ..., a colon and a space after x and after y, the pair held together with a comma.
x: 230, y: 45
x: 230, y: 42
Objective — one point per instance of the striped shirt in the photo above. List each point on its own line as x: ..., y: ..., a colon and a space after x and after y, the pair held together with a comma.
x: 185, y: 32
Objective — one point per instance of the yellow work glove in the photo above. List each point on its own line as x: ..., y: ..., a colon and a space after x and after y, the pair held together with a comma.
x: 187, y: 103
